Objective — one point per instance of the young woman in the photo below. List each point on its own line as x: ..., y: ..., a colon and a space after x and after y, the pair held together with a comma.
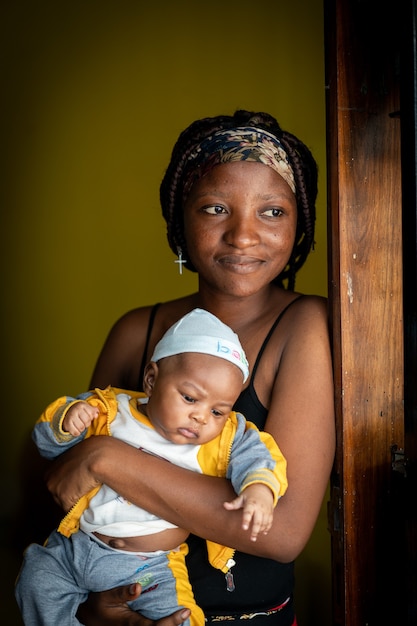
x: 239, y: 201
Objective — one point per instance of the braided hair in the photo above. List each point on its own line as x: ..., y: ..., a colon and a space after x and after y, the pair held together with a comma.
x: 300, y: 159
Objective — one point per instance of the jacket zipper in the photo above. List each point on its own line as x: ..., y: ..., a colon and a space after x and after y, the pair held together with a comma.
x: 100, y: 395
x: 230, y: 581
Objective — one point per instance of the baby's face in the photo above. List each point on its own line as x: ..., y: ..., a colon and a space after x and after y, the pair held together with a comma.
x: 191, y: 397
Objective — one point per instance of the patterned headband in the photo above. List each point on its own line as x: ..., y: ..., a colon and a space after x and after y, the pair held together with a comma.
x: 237, y: 144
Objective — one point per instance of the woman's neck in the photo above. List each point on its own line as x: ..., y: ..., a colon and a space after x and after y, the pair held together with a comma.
x: 242, y: 311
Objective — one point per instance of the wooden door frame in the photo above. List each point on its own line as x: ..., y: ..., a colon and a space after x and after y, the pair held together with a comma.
x: 407, y: 482
x: 366, y: 299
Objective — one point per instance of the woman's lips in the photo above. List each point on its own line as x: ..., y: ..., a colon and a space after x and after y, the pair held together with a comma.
x: 241, y: 264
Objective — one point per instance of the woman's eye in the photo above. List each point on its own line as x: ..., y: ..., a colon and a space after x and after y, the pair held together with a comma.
x: 273, y: 212
x: 214, y: 209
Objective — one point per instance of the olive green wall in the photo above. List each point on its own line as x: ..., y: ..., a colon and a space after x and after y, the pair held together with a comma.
x: 94, y: 94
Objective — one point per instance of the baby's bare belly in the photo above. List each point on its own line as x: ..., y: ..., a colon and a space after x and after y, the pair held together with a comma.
x: 166, y: 540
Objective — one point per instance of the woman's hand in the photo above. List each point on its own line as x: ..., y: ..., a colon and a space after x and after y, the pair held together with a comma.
x: 108, y: 608
x: 70, y: 476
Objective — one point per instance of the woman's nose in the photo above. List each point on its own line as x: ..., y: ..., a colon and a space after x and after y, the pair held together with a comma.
x: 242, y: 232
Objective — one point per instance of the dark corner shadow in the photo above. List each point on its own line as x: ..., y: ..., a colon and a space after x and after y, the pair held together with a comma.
x: 37, y: 514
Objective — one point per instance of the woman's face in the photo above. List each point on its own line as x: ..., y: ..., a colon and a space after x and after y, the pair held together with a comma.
x: 240, y: 223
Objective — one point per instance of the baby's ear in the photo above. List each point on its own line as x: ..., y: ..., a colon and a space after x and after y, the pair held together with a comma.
x: 149, y: 377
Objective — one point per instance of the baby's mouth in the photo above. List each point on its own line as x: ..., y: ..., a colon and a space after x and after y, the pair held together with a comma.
x: 189, y: 433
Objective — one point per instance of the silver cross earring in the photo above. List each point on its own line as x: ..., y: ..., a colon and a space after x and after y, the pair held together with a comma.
x: 180, y: 260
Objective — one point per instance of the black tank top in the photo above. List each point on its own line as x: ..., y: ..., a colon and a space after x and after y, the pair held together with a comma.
x: 248, y: 402
x: 260, y: 584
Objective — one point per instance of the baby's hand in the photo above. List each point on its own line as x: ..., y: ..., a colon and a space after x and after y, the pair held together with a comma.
x: 79, y: 417
x: 257, y: 502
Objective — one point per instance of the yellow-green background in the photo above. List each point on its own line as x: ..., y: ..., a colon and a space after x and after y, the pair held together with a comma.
x: 93, y: 96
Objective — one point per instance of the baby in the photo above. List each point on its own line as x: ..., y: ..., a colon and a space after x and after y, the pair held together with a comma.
x: 185, y: 416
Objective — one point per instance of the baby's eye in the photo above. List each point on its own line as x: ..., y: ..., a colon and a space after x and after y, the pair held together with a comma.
x: 217, y: 413
x: 215, y: 209
x: 275, y: 212
x: 188, y: 398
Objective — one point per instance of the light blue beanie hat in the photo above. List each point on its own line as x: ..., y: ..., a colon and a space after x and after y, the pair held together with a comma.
x: 200, y: 331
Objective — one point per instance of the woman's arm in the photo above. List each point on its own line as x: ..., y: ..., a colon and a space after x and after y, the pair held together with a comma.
x: 300, y: 418
x: 120, y: 358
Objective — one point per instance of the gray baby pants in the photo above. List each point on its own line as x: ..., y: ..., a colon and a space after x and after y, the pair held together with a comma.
x: 56, y: 578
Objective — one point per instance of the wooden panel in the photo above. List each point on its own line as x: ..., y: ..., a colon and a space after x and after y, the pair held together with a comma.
x: 407, y: 487
x: 365, y: 288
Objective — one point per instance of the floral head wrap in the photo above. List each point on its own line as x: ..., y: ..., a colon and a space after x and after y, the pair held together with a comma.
x: 244, y: 143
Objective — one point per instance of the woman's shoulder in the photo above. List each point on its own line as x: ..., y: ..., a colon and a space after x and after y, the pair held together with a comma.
x: 159, y: 317
x: 134, y: 318
x: 299, y: 320
x: 305, y: 326
x: 296, y: 307
x: 309, y: 312
x: 130, y: 343
x: 315, y: 305
x: 309, y: 298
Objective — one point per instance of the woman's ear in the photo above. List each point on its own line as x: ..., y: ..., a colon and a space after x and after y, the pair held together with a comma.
x: 149, y: 377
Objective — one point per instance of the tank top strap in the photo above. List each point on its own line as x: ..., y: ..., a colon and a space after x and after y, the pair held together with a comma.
x: 145, y: 350
x: 268, y: 337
